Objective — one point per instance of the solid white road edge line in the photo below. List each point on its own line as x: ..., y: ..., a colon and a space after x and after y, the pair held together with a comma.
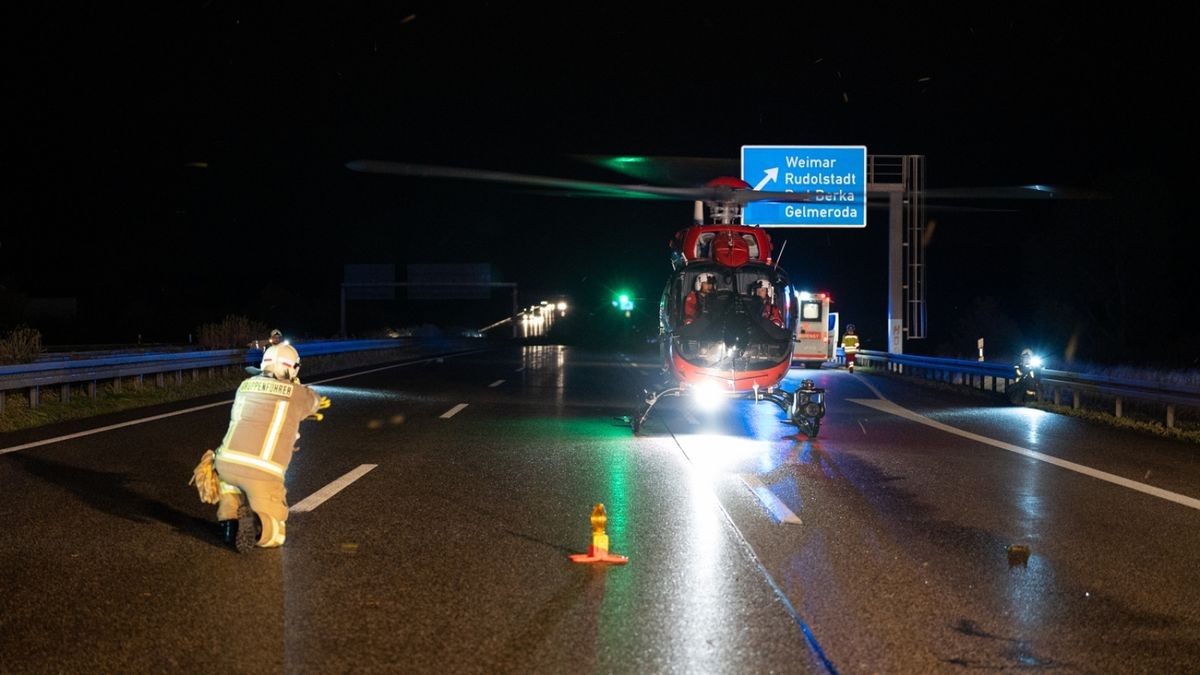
x: 320, y: 496
x: 110, y: 427
x: 143, y: 420
x: 892, y: 408
x: 777, y: 508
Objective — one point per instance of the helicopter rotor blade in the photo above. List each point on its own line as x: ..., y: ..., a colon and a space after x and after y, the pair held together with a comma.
x: 670, y: 170
x: 660, y: 170
x: 645, y: 167
x: 709, y: 194
x: 1014, y: 192
x: 433, y: 171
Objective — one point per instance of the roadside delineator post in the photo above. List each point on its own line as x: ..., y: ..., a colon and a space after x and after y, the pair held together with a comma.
x: 598, y: 551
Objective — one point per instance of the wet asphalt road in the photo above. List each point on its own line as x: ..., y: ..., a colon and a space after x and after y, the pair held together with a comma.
x: 882, y: 546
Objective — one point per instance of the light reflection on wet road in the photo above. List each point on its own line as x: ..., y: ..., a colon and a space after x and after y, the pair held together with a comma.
x: 451, y: 554
x: 902, y: 561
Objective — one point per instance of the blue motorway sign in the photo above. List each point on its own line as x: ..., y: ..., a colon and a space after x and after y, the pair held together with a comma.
x: 831, y: 180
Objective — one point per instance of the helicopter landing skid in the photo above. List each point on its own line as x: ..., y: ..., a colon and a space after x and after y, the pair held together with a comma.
x: 780, y: 397
x: 790, y: 402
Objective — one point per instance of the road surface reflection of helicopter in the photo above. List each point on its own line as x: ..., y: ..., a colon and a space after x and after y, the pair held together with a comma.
x: 727, y: 311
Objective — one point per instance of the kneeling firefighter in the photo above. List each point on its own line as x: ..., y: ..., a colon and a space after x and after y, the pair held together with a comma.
x: 252, y: 460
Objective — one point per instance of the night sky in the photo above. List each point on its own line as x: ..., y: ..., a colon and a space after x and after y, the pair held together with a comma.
x: 172, y: 164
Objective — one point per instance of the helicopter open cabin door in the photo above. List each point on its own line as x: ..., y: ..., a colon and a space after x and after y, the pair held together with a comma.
x: 812, y: 329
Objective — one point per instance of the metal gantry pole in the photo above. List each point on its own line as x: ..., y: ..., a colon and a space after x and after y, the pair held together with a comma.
x: 895, y: 272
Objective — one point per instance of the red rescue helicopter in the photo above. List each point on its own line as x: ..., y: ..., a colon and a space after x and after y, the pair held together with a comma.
x: 727, y: 314
x: 727, y: 311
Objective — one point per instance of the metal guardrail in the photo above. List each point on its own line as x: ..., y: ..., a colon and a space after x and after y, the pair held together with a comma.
x: 72, y: 369
x: 997, y: 377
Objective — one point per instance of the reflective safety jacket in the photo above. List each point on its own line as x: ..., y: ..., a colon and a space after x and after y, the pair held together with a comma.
x: 265, y: 424
x: 850, y: 343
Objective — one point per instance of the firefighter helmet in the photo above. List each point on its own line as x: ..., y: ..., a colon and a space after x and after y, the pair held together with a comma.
x: 281, y: 361
x: 705, y: 278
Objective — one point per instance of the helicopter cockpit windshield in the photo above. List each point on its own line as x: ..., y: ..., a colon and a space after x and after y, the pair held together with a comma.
x: 722, y: 319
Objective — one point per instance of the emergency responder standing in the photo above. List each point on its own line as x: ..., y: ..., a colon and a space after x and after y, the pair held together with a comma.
x: 254, y: 456
x: 1025, y: 386
x: 850, y: 346
x: 275, y: 338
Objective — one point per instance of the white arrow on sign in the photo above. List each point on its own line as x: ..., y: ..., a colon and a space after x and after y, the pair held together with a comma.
x: 772, y: 174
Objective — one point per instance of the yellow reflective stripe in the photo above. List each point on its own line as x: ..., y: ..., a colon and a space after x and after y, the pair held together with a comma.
x: 277, y: 531
x: 268, y: 447
x: 242, y: 458
x: 226, y: 488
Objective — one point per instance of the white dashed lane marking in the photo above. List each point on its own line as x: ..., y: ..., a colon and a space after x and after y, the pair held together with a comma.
x: 321, y: 496
x: 453, y: 411
x: 777, y: 508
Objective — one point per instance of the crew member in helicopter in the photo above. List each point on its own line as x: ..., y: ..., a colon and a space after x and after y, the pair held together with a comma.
x: 253, y: 458
x: 698, y: 300
x: 765, y: 292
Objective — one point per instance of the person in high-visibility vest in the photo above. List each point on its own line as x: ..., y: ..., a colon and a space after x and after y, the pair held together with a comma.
x: 252, y: 460
x: 850, y: 346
